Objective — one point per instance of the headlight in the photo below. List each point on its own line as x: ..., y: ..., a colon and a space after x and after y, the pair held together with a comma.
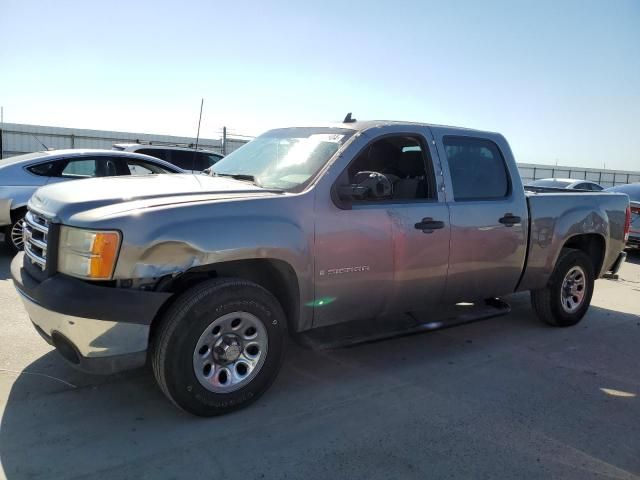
x: 88, y: 253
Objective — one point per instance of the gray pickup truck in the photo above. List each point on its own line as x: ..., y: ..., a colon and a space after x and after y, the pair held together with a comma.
x: 299, y: 230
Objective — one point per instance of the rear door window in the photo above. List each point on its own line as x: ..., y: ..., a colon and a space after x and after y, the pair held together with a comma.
x: 477, y: 168
x: 90, y: 167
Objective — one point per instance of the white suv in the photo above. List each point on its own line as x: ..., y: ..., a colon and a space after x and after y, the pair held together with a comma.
x: 186, y: 158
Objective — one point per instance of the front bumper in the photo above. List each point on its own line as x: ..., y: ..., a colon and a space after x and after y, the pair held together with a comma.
x: 96, y: 329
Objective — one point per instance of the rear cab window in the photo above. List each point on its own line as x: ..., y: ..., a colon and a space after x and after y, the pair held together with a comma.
x: 477, y: 168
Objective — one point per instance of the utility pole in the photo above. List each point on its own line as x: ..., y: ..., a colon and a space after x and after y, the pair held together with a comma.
x: 199, y: 120
x: 224, y: 140
x: 195, y: 151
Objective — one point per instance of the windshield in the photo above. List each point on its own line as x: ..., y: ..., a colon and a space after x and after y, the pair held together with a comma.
x: 286, y: 158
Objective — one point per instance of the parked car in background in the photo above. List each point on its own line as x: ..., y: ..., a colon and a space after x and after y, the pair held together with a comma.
x: 633, y: 190
x: 22, y: 175
x: 568, y: 183
x: 187, y: 158
x: 300, y: 229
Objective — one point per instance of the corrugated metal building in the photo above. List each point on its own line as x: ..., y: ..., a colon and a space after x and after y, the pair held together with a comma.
x: 19, y: 138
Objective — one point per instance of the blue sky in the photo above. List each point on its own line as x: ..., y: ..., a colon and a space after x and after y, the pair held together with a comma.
x: 560, y: 79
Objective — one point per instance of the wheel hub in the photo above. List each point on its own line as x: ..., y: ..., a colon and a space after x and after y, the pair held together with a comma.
x: 230, y: 352
x: 573, y: 289
x: 227, y: 349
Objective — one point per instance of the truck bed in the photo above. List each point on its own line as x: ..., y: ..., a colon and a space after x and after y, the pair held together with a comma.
x: 557, y: 215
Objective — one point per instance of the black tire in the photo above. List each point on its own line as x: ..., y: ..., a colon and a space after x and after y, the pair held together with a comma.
x: 548, y: 302
x: 174, y: 342
x: 12, y: 244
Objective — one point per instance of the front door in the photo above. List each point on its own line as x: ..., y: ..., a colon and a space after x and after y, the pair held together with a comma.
x: 388, y: 252
x: 421, y: 254
x: 353, y: 264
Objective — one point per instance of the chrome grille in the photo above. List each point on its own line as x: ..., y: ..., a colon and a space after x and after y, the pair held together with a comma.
x: 35, y: 235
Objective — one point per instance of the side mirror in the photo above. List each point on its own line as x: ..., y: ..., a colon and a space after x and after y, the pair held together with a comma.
x: 368, y: 185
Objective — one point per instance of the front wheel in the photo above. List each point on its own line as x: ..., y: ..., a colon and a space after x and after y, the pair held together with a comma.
x: 219, y: 346
x: 567, y: 296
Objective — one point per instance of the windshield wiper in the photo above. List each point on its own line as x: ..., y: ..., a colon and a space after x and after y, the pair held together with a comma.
x: 245, y: 178
x: 237, y: 176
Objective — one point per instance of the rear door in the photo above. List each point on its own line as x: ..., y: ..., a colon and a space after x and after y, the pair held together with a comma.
x: 488, y: 214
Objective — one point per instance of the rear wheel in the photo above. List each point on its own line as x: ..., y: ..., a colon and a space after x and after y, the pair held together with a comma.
x: 219, y: 346
x: 567, y: 296
x: 13, y: 232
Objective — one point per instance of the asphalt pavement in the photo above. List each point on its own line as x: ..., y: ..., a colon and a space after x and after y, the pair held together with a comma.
x: 507, y: 397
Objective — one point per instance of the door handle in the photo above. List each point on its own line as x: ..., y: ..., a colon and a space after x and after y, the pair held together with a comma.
x: 509, y: 219
x: 428, y: 225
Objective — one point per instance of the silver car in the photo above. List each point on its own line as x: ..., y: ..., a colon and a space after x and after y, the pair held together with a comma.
x: 22, y: 175
x: 568, y: 183
x: 633, y: 191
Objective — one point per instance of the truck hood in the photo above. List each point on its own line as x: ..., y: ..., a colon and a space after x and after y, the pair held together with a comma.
x: 61, y: 200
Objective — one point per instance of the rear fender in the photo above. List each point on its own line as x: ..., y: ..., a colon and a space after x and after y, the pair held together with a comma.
x: 549, y: 235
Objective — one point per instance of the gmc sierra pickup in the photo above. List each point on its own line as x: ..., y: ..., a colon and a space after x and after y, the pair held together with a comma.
x: 300, y: 229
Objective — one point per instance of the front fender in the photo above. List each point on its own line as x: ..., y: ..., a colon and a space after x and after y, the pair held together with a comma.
x: 177, y: 246
x: 174, y: 246
x: 170, y: 241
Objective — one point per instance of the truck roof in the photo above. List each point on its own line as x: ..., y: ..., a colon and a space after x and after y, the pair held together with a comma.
x: 369, y: 124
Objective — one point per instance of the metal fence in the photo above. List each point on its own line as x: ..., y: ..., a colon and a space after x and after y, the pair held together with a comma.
x: 16, y: 139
